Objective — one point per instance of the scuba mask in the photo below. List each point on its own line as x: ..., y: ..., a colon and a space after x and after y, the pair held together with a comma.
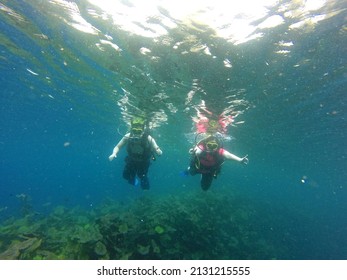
x: 212, y: 145
x: 137, y: 127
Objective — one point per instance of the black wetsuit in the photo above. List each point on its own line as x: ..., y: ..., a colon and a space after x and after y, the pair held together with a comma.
x: 138, y: 160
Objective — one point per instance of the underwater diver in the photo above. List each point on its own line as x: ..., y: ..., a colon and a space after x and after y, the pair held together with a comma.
x: 140, y: 148
x: 208, y: 156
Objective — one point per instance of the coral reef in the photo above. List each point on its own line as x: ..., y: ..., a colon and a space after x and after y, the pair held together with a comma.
x: 194, y: 226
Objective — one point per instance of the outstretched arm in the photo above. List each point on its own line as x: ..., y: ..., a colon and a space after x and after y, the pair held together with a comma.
x: 154, y: 146
x: 120, y: 144
x: 230, y: 156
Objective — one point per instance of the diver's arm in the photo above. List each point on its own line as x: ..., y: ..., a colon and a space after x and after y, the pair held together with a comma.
x: 195, y: 151
x: 230, y: 156
x: 154, y: 146
x: 120, y: 144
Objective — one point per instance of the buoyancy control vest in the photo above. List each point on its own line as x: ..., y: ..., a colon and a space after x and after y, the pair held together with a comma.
x: 139, y: 149
x: 207, y: 162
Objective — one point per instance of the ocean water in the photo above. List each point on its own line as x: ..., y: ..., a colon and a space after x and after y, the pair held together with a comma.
x: 73, y: 73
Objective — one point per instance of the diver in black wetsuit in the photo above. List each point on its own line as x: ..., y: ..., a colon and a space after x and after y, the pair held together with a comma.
x: 140, y: 149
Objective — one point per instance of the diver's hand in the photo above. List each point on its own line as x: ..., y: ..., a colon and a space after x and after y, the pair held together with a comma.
x: 111, y: 157
x: 159, y: 152
x: 244, y: 160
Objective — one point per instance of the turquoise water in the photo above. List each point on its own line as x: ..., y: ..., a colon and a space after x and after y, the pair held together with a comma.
x: 73, y: 74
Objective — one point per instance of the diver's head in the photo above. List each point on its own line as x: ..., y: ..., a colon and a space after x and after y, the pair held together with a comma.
x: 137, y: 127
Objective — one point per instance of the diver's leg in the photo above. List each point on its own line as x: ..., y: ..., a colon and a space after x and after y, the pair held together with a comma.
x: 142, y: 171
x: 129, y: 171
x: 206, y: 181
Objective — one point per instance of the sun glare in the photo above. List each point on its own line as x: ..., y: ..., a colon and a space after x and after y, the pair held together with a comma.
x: 230, y: 19
x: 235, y: 21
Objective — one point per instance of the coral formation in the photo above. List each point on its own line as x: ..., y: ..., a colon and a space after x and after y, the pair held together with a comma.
x: 193, y: 226
x: 159, y: 229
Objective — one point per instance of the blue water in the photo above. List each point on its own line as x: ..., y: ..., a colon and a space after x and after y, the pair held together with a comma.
x: 66, y: 98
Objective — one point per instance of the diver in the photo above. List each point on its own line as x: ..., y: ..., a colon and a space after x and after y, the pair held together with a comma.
x: 208, y: 156
x: 141, y: 148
